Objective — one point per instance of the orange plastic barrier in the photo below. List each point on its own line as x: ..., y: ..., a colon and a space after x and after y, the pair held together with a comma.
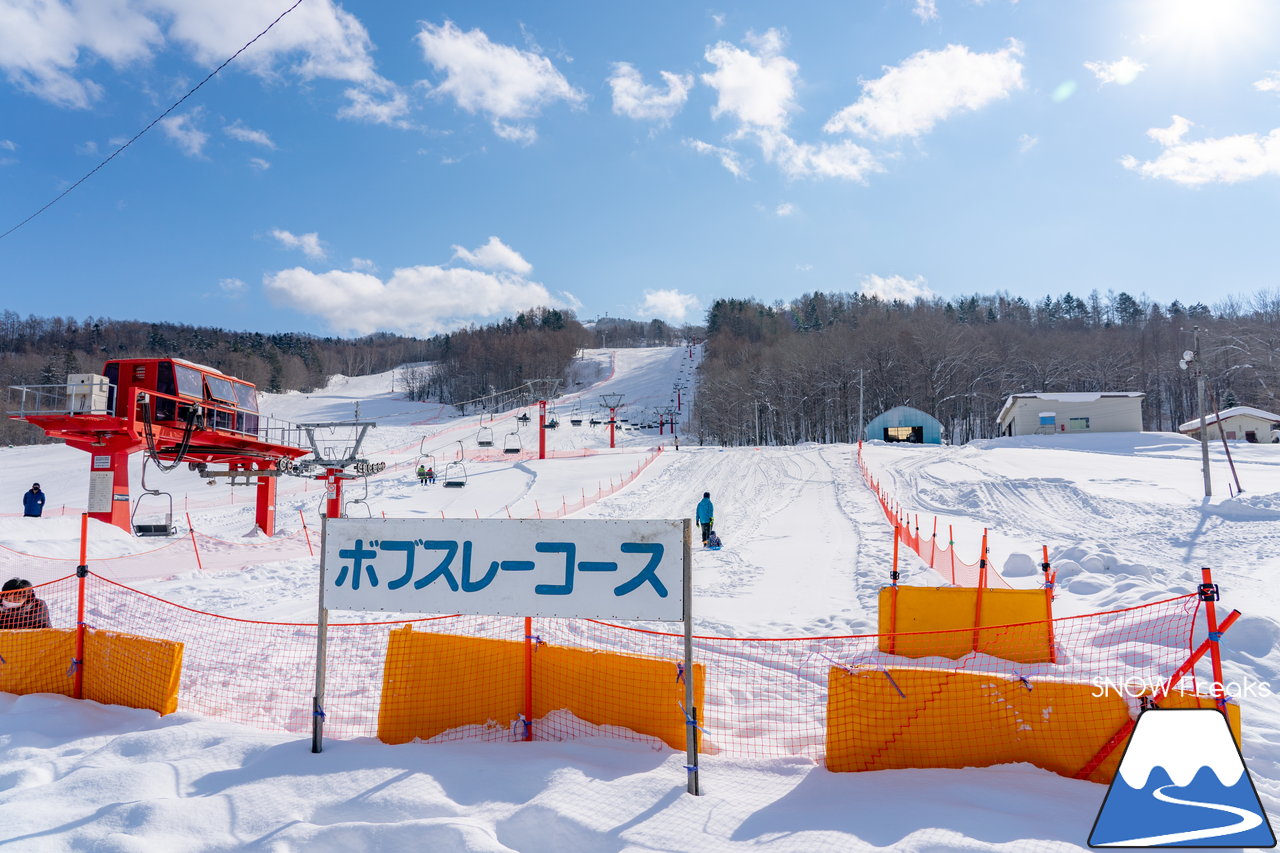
x: 120, y: 669
x: 434, y: 684
x: 881, y: 719
x: 37, y: 661
x: 124, y: 669
x: 916, y: 622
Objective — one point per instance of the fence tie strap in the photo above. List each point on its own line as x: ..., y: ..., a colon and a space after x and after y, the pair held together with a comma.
x: 319, y: 712
x: 2, y: 660
x: 688, y: 719
x: 75, y: 665
x: 891, y: 681
x: 1025, y: 681
x: 680, y: 672
x: 537, y: 641
x: 1215, y: 636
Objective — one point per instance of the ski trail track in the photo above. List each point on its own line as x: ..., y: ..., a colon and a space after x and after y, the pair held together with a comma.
x: 765, y: 499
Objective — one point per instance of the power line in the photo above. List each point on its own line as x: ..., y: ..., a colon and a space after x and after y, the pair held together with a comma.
x: 156, y: 121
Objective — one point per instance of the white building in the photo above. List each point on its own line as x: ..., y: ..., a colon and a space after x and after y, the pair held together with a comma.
x: 1071, y: 412
x: 1238, y: 423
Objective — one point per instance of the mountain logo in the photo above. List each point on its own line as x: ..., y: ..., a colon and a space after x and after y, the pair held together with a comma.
x: 1182, y: 783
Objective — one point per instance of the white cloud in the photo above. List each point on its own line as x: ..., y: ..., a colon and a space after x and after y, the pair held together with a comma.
x: 259, y: 164
x: 729, y: 158
x: 380, y: 103
x: 308, y: 243
x: 895, y: 287
x: 87, y: 149
x: 930, y: 86
x: 182, y: 130
x: 363, y: 264
x: 1172, y: 134
x: 1270, y: 83
x: 717, y: 19
x: 804, y: 267
x: 1121, y: 72
x: 232, y: 286
x: 1026, y: 142
x: 507, y: 84
x: 670, y: 305
x: 634, y: 98
x: 46, y: 48
x: 1224, y: 160
x: 570, y: 301
x: 8, y: 145
x: 926, y: 10
x: 844, y: 160
x: 785, y: 209
x: 494, y: 255
x: 237, y: 130
x: 420, y: 300
x: 756, y: 88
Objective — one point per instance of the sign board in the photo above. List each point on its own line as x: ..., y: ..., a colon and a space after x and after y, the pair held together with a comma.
x: 598, y: 569
x: 102, y: 462
x: 100, y: 483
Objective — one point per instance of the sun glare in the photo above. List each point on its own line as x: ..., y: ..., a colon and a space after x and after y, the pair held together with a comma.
x: 1203, y: 27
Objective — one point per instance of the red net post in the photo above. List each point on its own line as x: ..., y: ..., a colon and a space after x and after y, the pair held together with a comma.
x: 1208, y: 592
x: 82, y: 570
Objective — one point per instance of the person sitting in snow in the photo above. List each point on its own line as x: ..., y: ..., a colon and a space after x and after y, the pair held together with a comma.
x: 713, y: 540
x: 19, y: 607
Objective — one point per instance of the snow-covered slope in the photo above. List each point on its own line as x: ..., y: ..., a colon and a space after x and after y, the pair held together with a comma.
x: 806, y: 552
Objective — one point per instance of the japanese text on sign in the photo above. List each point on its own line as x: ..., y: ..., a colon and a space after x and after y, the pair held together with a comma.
x: 600, y: 569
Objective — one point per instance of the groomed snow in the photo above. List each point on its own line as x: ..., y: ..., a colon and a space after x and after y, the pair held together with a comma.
x: 806, y: 552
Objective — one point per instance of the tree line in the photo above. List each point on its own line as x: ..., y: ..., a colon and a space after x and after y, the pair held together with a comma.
x: 804, y: 371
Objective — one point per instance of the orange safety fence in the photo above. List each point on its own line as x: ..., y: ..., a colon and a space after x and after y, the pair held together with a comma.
x: 942, y: 559
x: 761, y: 697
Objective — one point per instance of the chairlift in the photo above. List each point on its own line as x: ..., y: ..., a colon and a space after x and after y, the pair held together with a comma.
x: 575, y: 418
x: 513, y: 444
x: 425, y: 460
x: 455, y: 475
x: 363, y: 500
x: 165, y: 529
x: 484, y: 438
x: 523, y: 417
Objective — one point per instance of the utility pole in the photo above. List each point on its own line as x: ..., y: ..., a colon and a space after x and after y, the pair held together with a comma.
x: 861, y: 422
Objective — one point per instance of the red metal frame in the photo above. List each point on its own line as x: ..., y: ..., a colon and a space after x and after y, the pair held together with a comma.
x: 223, y: 430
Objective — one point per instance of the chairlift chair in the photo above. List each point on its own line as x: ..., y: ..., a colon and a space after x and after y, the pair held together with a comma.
x: 512, y: 444
x: 363, y: 500
x: 523, y: 417
x: 455, y: 475
x: 575, y: 418
x: 152, y: 529
x: 484, y: 438
x: 426, y: 460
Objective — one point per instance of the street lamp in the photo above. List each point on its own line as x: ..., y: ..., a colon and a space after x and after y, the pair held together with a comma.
x: 1191, y: 361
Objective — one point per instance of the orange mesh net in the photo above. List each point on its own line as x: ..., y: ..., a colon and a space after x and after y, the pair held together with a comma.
x: 848, y: 698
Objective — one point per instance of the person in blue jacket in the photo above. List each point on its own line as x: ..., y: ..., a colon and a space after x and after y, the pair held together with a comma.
x: 33, y: 502
x: 705, y: 515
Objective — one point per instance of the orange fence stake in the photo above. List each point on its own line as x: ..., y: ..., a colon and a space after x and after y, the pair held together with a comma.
x: 306, y: 534
x: 1048, y: 602
x: 82, y: 571
x: 194, y: 546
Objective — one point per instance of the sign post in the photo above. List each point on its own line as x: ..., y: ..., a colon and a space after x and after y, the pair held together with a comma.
x: 622, y: 569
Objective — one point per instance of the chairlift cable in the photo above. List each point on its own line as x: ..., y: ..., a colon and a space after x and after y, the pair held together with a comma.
x: 154, y: 122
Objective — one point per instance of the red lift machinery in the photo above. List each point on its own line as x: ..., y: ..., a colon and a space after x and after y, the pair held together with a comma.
x: 173, y: 409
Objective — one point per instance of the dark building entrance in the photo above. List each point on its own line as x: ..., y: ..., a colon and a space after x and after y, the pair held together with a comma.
x: 909, y: 434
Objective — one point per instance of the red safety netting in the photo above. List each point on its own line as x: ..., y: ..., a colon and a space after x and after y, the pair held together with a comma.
x: 763, y: 697
x: 941, y: 558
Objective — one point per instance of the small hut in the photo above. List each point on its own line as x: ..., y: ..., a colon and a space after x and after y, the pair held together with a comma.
x: 903, y: 423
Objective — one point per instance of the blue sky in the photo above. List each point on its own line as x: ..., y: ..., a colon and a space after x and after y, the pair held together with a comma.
x: 418, y: 167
